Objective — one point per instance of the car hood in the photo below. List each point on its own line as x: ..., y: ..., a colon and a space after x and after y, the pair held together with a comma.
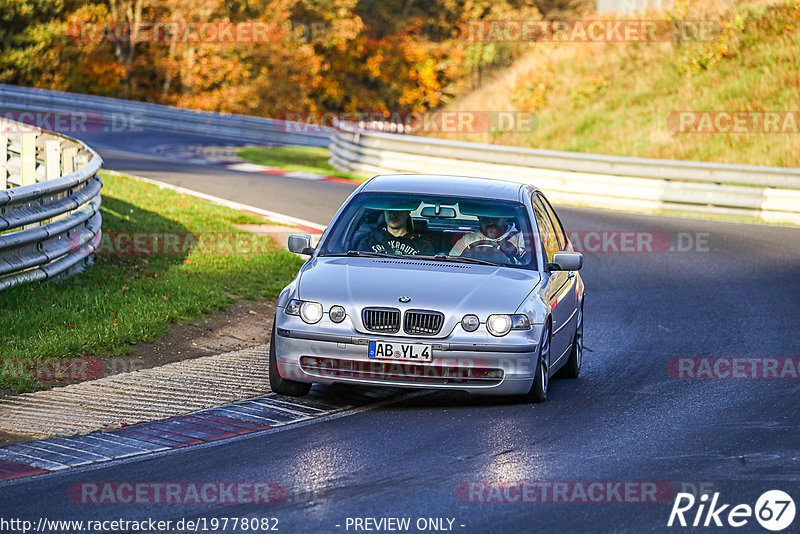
x: 452, y: 288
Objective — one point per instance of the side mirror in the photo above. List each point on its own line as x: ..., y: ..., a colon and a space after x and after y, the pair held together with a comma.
x: 300, y: 244
x: 566, y: 261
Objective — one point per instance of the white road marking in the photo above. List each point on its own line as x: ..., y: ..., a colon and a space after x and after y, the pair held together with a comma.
x: 304, y: 175
x: 246, y: 167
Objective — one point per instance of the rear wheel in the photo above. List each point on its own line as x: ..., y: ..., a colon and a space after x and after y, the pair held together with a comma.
x: 278, y: 384
x: 538, y: 392
x: 573, y: 366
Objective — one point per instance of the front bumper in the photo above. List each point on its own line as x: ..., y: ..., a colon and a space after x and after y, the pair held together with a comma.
x: 467, y: 362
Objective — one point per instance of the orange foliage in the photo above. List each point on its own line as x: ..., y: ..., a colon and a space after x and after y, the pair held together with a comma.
x: 323, y: 55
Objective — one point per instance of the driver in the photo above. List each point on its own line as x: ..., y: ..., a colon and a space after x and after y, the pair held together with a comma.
x: 394, y: 237
x: 495, y: 231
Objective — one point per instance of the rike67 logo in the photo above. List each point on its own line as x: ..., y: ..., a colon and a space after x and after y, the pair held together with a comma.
x: 774, y: 510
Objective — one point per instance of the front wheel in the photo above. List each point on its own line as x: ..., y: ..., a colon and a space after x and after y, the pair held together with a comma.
x: 538, y: 392
x: 573, y: 366
x: 278, y: 384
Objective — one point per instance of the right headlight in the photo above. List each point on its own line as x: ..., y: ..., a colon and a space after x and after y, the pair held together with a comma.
x: 310, y: 312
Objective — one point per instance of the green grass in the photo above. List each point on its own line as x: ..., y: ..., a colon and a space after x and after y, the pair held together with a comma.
x: 312, y: 159
x: 754, y: 65
x: 128, y: 298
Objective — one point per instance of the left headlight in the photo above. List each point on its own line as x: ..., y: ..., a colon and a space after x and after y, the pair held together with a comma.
x: 501, y: 324
x: 310, y: 312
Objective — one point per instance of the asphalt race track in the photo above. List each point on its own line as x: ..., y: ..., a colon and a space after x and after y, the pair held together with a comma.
x: 134, y: 153
x: 735, y: 295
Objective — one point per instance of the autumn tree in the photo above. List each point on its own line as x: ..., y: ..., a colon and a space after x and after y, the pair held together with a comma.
x: 321, y: 55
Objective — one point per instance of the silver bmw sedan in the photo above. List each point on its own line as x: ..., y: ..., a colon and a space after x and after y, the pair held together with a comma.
x: 428, y: 281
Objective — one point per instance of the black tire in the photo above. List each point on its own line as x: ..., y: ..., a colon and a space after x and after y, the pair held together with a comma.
x: 278, y: 384
x: 538, y: 392
x: 572, y: 369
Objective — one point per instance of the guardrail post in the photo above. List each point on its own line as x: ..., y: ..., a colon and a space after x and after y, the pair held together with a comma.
x: 80, y: 161
x: 52, y: 160
x: 68, y: 160
x: 3, y: 161
x: 27, y: 158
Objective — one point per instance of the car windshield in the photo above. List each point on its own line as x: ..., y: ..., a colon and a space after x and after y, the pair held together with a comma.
x: 447, y: 228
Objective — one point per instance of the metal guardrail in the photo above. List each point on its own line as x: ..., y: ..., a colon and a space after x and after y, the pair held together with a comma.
x: 50, y: 222
x: 768, y: 193
x: 114, y: 112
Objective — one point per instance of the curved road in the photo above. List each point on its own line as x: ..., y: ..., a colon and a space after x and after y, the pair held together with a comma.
x: 737, y: 294
x: 135, y: 153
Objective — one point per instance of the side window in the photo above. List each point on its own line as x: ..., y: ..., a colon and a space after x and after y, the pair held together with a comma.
x: 562, y: 236
x: 546, y: 230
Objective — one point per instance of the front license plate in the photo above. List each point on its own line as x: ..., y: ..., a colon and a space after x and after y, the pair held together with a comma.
x: 416, y: 352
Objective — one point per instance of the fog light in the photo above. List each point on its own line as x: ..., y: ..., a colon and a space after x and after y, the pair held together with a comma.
x: 337, y: 314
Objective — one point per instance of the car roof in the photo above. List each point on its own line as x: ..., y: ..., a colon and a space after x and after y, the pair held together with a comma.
x: 438, y: 184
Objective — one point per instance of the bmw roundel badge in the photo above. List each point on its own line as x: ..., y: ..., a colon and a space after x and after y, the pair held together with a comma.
x: 404, y: 299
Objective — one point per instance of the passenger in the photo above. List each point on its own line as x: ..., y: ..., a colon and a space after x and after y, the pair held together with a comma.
x: 396, y: 237
x: 495, y: 232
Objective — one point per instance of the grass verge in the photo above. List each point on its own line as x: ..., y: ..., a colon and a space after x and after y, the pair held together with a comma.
x: 313, y: 159
x: 624, y: 98
x: 127, y: 298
